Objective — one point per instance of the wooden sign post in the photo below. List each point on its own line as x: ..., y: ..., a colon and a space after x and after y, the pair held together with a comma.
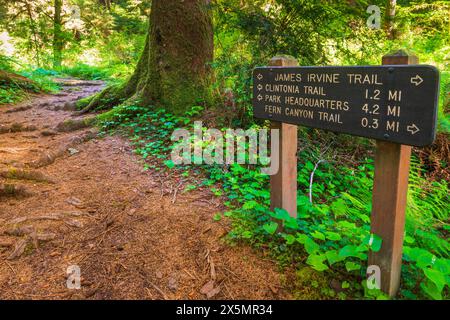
x: 389, y: 200
x: 395, y: 104
x: 283, y: 185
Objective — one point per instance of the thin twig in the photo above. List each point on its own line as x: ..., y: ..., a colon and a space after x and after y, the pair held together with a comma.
x: 12, y: 269
x: 311, y: 180
x: 162, y: 188
x: 176, y: 192
x: 159, y: 291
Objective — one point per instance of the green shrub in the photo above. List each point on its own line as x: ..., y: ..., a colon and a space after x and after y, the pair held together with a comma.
x: 83, y: 71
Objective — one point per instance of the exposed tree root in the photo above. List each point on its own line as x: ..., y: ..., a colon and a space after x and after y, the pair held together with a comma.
x: 30, y: 234
x: 6, y: 242
x: 48, y: 158
x: 48, y: 133
x: 68, y: 106
x: 74, y: 125
x: 19, y: 109
x: 109, y: 97
x: 82, y: 139
x: 20, y: 174
x: 19, y: 249
x: 31, y: 238
x: 53, y: 216
x: 14, y: 191
x: 16, y: 127
x: 19, y: 231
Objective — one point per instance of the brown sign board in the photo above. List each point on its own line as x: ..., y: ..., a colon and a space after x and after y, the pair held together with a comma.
x: 395, y: 103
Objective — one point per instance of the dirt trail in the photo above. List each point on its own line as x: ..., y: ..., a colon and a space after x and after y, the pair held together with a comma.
x: 68, y: 197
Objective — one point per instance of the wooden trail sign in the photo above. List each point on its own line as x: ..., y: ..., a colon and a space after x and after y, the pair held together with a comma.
x: 395, y: 103
x: 391, y: 103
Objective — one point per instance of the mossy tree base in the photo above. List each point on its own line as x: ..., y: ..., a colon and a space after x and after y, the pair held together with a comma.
x: 173, y: 71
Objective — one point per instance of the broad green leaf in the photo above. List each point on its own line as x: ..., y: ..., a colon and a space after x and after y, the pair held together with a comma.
x: 270, y: 227
x: 333, y: 236
x: 374, y: 242
x: 431, y: 290
x: 318, y: 235
x: 301, y: 238
x: 347, y: 225
x: 332, y: 257
x: 349, y: 251
x: 351, y: 266
x: 310, y: 246
x: 290, y: 239
x: 281, y: 214
x: 290, y: 223
x: 424, y: 259
x: 436, y: 277
x: 443, y: 265
x: 249, y: 205
x: 169, y: 164
x: 316, y: 261
x: 409, y: 240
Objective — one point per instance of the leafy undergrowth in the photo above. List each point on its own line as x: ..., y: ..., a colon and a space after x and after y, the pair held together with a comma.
x: 44, y: 79
x: 330, y: 241
x: 16, y: 92
x: 11, y: 94
x: 111, y: 73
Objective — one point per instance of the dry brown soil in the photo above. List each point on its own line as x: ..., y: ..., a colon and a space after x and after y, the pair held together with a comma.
x: 69, y: 197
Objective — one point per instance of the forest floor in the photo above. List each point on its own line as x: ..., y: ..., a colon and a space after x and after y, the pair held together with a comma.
x: 70, y: 197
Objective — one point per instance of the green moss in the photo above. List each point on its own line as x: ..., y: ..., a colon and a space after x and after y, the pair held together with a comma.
x: 11, y: 190
x: 77, y: 124
x: 106, y: 99
x: 84, y: 102
x: 110, y: 115
x: 308, y: 283
x: 18, y: 174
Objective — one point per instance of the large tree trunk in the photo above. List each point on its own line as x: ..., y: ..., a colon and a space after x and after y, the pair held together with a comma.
x: 390, y: 16
x: 173, y: 71
x: 57, y: 35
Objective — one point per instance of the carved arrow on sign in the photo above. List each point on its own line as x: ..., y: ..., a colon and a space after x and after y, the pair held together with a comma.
x: 413, y: 129
x: 260, y: 87
x: 260, y: 97
x: 417, y: 80
x: 259, y: 76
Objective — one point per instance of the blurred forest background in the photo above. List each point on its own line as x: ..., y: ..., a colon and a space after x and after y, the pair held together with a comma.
x: 104, y: 39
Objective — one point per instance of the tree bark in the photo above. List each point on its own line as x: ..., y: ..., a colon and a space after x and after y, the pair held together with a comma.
x: 173, y: 71
x: 35, y: 36
x: 390, y: 16
x: 58, y: 42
